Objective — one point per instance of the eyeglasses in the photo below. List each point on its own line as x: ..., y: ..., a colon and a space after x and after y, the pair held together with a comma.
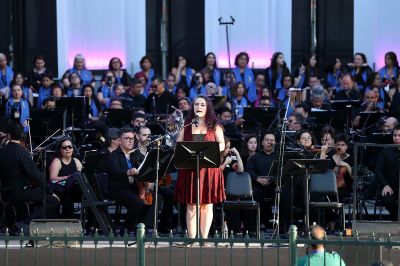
x: 66, y: 147
x: 129, y: 139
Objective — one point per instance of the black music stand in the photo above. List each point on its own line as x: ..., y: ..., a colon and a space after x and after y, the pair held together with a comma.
x: 118, y: 117
x: 76, y: 109
x: 306, y: 167
x: 46, y: 121
x: 196, y: 155
x: 149, y: 173
x: 335, y: 118
x: 258, y: 116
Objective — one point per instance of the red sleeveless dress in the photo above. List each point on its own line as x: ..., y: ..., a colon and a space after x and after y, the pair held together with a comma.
x: 211, y: 179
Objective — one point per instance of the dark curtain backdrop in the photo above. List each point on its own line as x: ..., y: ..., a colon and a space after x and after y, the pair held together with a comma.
x: 34, y: 31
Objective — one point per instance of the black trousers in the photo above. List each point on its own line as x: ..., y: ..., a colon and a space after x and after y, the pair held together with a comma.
x: 34, y: 195
x: 264, y: 195
x: 167, y: 207
x: 391, y: 204
x: 137, y: 211
x: 290, y: 198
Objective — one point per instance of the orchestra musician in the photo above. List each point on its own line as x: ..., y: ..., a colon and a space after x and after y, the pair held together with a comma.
x: 211, y: 179
x: 122, y: 184
x: 387, y: 173
x: 62, y: 177
x: 143, y: 139
x: 259, y: 167
x: 17, y: 172
x: 293, y: 194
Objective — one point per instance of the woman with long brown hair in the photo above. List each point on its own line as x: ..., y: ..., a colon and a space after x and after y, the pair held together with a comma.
x: 211, y: 179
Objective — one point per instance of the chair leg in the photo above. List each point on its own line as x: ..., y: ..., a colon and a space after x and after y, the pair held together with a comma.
x: 258, y: 222
x: 222, y: 220
x: 343, y: 220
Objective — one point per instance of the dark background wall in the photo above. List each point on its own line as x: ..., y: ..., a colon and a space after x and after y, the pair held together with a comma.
x: 34, y: 31
x: 335, y: 29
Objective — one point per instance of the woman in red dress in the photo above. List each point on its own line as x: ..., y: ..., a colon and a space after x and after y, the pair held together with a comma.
x: 211, y: 179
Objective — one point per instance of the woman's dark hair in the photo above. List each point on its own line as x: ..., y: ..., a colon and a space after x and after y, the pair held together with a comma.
x: 176, y: 64
x: 393, y: 56
x: 309, y: 69
x: 330, y: 65
x: 94, y: 98
x: 205, y: 59
x: 235, y: 87
x: 274, y: 69
x: 146, y: 57
x: 244, y: 150
x: 210, y: 119
x: 193, y: 82
x: 240, y: 55
x: 364, y: 58
x: 39, y: 57
x: 59, y: 145
x: 110, y: 63
x: 74, y: 73
x: 15, y: 77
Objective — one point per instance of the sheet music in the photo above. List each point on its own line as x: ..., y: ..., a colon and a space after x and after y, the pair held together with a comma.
x: 140, y: 166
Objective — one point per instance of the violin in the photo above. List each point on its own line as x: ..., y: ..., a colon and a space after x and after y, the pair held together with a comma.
x: 144, y: 193
x: 340, y: 172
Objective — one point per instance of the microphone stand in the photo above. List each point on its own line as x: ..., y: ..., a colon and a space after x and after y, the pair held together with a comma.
x: 227, y: 24
x: 44, y: 165
x: 158, y: 141
x: 281, y: 153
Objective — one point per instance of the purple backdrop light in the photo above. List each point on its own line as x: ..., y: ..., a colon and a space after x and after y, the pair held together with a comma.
x: 95, y: 60
x: 258, y: 59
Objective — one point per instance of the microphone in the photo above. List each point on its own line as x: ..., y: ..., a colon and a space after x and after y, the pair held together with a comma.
x: 196, y: 120
x: 295, y: 89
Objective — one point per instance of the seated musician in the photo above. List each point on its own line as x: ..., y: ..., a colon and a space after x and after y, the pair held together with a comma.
x: 387, y: 173
x: 259, y: 167
x: 122, y: 184
x: 112, y: 143
x: 294, y: 196
x: 61, y: 169
x: 17, y: 172
x: 143, y: 139
x: 232, y: 162
x: 341, y: 162
x: 327, y: 139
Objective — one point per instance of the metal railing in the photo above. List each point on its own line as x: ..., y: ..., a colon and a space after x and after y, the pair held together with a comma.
x: 144, y: 250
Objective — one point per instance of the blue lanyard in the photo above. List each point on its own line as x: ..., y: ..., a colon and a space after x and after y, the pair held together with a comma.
x: 129, y: 163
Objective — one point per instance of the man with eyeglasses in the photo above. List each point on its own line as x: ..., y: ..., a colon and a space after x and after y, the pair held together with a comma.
x: 17, y: 172
x: 122, y: 185
x: 259, y: 167
x: 159, y: 100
